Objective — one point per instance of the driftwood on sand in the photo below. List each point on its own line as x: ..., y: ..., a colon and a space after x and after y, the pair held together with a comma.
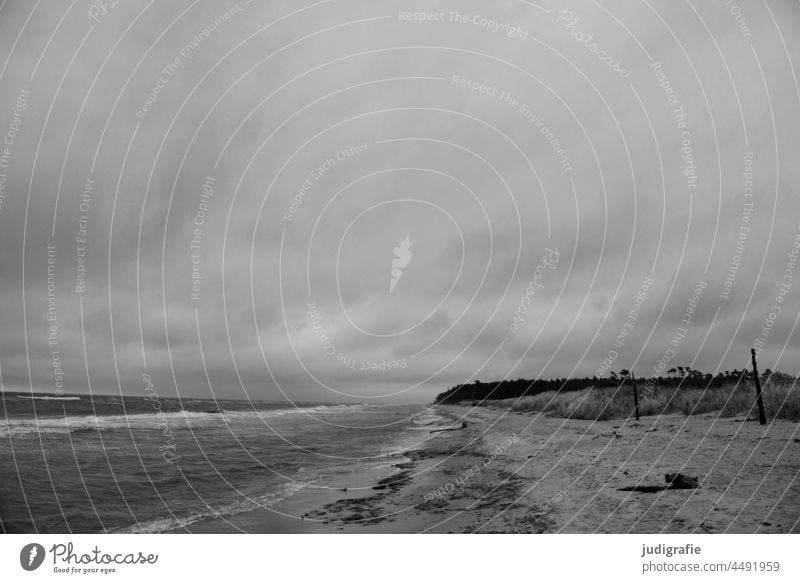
x: 675, y: 481
x: 463, y: 426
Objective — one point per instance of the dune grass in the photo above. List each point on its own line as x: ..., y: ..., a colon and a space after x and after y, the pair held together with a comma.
x: 781, y: 400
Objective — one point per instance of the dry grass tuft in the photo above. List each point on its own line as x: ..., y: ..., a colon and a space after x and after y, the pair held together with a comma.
x: 781, y: 400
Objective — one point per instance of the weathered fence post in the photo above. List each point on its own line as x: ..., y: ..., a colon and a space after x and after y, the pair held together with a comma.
x: 762, y: 418
x: 635, y: 396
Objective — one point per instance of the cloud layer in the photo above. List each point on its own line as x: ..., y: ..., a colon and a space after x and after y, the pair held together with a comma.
x: 213, y: 194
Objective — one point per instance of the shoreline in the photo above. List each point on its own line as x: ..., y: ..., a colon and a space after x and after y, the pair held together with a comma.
x: 551, y: 475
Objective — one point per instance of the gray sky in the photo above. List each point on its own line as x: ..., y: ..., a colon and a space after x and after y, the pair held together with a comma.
x: 599, y: 150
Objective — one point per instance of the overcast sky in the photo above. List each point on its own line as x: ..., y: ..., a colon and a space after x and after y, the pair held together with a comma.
x: 218, y: 190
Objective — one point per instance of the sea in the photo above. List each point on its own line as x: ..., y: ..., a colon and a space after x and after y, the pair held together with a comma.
x: 86, y: 464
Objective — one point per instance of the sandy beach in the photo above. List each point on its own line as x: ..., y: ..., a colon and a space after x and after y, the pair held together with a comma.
x: 523, y: 473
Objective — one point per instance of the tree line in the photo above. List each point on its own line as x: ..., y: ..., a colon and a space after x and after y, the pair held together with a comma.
x: 681, y: 376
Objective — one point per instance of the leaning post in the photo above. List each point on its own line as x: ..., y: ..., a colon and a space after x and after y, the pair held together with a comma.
x: 762, y: 418
x: 635, y: 396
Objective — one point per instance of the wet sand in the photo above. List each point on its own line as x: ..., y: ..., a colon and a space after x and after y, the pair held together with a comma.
x: 523, y: 473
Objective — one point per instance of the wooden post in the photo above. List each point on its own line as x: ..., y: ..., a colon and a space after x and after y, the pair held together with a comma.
x: 762, y: 418
x: 635, y: 396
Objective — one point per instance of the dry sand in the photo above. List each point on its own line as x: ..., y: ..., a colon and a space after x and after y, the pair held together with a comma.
x: 559, y: 475
x: 563, y: 476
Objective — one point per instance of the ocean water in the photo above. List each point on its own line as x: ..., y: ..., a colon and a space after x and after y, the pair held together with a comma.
x: 112, y: 464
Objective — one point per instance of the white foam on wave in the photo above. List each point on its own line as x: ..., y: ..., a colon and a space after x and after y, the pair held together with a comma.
x: 430, y: 418
x: 45, y: 398
x: 172, y: 523
x: 16, y: 427
x: 312, y: 411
